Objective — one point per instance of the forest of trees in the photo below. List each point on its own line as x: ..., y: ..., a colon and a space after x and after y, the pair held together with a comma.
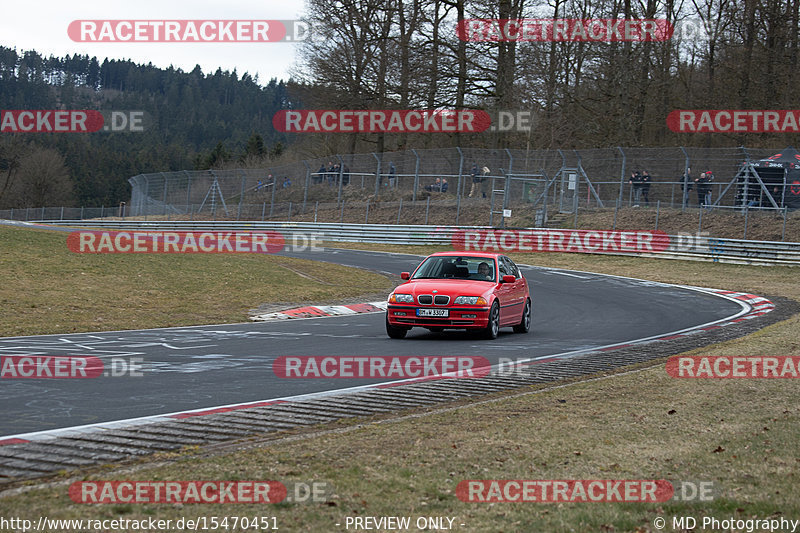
x: 741, y: 54
x: 405, y: 54
x: 198, y: 121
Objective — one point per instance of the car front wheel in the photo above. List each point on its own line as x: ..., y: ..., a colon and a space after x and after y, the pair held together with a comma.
x: 393, y: 332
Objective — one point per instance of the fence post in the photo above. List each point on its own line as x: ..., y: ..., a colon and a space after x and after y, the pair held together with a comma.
x: 164, y: 199
x: 575, y: 224
x: 274, y: 186
x: 700, y: 221
x: 658, y: 211
x: 241, y: 197
x: 685, y: 180
x: 305, y: 188
x: 458, y: 188
x: 263, y: 210
x: 622, y: 174
x: 427, y: 208
x: 366, y: 217
x: 746, y: 216
x: 616, y: 209
x: 416, y: 178
x: 123, y: 215
x: 290, y: 212
x: 146, y: 193
x: 399, y: 210
x: 783, y: 231
x: 377, y: 178
x: 341, y: 214
x: 316, y: 206
x: 341, y: 175
x: 507, y: 189
x: 188, y: 187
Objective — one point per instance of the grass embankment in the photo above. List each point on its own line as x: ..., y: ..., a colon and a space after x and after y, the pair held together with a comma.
x: 48, y: 289
x: 739, y: 434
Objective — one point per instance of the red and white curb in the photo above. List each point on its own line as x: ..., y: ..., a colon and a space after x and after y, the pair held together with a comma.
x: 314, y: 311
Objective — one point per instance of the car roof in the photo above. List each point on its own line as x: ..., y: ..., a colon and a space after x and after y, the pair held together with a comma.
x: 488, y: 255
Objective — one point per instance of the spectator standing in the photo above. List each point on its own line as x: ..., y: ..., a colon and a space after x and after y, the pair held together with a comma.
x: 686, y: 184
x: 709, y: 187
x: 475, y: 179
x: 392, y: 175
x: 331, y: 177
x: 646, y: 187
x: 337, y: 170
x: 320, y: 174
x: 636, y: 184
x: 484, y: 179
x: 701, y: 184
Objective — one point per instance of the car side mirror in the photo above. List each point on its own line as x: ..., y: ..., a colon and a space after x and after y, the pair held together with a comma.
x: 404, y: 275
x: 508, y: 278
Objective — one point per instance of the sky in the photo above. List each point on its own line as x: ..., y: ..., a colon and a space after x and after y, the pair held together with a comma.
x: 41, y: 25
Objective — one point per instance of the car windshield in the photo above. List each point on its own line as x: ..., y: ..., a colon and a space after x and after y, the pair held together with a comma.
x: 457, y: 267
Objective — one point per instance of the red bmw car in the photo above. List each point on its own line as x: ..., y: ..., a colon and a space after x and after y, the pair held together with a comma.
x: 454, y: 290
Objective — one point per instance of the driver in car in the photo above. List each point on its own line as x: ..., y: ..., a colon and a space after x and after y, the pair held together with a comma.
x: 485, y: 270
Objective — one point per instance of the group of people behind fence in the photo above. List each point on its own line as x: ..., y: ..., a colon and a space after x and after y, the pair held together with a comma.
x: 640, y: 182
x: 702, y: 184
x: 330, y: 175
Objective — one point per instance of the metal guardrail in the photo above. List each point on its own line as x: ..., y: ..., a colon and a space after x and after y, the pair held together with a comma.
x: 686, y: 246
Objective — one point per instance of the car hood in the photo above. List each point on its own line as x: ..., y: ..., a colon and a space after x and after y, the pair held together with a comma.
x: 449, y: 287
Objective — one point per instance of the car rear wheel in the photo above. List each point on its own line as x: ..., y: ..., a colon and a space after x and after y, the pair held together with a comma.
x: 525, y: 325
x: 393, y: 332
x: 493, y: 327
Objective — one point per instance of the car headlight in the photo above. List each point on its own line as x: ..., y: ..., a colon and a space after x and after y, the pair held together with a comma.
x: 401, y: 299
x: 470, y: 300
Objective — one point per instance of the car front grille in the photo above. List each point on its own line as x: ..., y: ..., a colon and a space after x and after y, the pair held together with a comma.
x: 425, y: 299
x: 440, y: 299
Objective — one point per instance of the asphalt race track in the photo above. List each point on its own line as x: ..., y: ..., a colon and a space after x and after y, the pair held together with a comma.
x: 201, y: 367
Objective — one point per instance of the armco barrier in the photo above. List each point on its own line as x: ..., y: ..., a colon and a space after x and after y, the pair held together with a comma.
x: 687, y: 246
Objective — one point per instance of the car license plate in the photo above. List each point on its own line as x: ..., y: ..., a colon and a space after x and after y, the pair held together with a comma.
x: 433, y: 312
